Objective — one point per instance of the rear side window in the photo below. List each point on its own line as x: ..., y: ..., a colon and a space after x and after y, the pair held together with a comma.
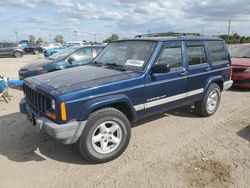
x: 171, y: 55
x: 217, y: 51
x: 196, y: 53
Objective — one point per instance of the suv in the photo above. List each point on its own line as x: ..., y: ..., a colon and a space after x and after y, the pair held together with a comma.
x: 95, y: 105
x: 31, y: 48
x: 11, y: 49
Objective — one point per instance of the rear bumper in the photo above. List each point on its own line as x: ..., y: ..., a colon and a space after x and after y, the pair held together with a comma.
x: 227, y: 84
x: 67, y: 133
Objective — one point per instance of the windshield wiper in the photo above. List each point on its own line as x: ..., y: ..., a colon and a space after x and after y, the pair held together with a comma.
x: 121, y: 67
x: 96, y: 63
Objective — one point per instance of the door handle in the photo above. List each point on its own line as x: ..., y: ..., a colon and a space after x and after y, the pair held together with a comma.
x: 183, y: 72
x: 208, y: 69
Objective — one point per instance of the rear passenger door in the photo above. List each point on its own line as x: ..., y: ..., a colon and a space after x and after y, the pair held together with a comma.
x: 198, y: 68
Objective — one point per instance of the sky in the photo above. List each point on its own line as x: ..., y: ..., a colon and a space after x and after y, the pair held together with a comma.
x: 98, y: 19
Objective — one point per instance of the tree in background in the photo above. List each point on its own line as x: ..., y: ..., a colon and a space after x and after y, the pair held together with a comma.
x: 32, y: 39
x: 40, y: 40
x: 235, y: 39
x: 111, y: 38
x: 58, y: 39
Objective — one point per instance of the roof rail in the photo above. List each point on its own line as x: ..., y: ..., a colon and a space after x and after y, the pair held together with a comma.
x: 168, y: 34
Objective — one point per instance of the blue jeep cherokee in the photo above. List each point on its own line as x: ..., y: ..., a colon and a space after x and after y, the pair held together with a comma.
x: 94, y: 105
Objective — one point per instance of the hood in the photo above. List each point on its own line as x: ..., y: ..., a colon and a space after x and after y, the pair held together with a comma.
x: 75, y: 79
x: 244, y: 62
x: 40, y: 63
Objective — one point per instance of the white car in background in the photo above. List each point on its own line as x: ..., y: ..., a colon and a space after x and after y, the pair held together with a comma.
x: 52, y: 46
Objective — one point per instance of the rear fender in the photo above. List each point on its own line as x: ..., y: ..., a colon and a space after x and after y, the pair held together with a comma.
x: 215, y: 79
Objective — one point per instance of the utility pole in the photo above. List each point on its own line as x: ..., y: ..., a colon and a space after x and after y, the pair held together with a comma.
x: 16, y: 36
x: 229, y: 29
x: 49, y: 38
x: 75, y: 34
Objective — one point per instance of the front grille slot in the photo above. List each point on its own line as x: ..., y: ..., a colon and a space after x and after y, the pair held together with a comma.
x: 236, y: 70
x: 39, y: 101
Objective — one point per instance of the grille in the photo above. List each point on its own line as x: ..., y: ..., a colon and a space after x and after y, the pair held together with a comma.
x: 39, y: 101
x: 236, y: 70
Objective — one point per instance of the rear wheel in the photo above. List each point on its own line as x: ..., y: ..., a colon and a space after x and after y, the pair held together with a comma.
x: 18, y: 54
x: 105, y: 136
x: 210, y: 103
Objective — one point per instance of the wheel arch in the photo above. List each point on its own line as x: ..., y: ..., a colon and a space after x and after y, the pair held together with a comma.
x: 120, y: 102
x: 215, y: 79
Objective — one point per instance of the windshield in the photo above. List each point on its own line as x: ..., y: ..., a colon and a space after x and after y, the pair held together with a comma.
x: 64, y: 53
x: 240, y: 52
x: 131, y: 55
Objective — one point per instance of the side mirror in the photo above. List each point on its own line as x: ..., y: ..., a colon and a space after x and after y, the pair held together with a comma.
x: 71, y: 59
x: 160, y: 68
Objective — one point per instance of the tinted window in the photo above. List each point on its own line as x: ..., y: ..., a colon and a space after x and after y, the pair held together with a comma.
x: 196, y: 53
x: 217, y: 51
x: 171, y: 55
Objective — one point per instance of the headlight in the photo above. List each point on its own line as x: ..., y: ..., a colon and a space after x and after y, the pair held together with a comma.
x: 247, y: 70
x: 36, y: 69
x: 53, y: 104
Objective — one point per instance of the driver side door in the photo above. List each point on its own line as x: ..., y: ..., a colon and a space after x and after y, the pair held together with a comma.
x: 167, y: 90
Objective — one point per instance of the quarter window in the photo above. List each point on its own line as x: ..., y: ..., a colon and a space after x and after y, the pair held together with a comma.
x: 171, y: 55
x: 196, y: 53
x: 217, y: 51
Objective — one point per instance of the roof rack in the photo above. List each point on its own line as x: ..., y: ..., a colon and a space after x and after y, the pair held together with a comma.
x: 168, y: 34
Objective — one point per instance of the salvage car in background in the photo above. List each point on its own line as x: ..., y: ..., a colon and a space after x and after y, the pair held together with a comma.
x: 240, y: 57
x: 11, y: 49
x: 67, y: 58
x: 31, y: 47
x: 52, y: 51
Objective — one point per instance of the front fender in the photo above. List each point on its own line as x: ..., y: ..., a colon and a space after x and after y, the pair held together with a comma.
x: 101, y: 102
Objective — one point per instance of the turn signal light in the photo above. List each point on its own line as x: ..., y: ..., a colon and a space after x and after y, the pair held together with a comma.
x: 63, y: 112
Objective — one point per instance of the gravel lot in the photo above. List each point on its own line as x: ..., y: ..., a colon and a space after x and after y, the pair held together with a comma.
x: 175, y: 149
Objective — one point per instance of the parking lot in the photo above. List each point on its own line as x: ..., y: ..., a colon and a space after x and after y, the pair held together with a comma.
x: 174, y: 149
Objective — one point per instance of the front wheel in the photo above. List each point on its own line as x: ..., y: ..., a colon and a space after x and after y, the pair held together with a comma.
x: 210, y: 103
x: 18, y: 54
x: 105, y: 136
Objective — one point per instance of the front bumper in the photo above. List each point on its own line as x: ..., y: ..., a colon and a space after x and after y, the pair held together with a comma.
x: 241, y: 80
x: 67, y: 133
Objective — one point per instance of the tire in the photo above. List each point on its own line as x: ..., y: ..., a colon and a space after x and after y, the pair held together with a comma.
x: 18, y: 54
x: 210, y: 103
x: 36, y: 52
x: 105, y: 136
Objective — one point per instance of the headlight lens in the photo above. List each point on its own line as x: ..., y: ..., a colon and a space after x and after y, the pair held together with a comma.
x: 36, y: 69
x: 53, y: 104
x: 247, y: 70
